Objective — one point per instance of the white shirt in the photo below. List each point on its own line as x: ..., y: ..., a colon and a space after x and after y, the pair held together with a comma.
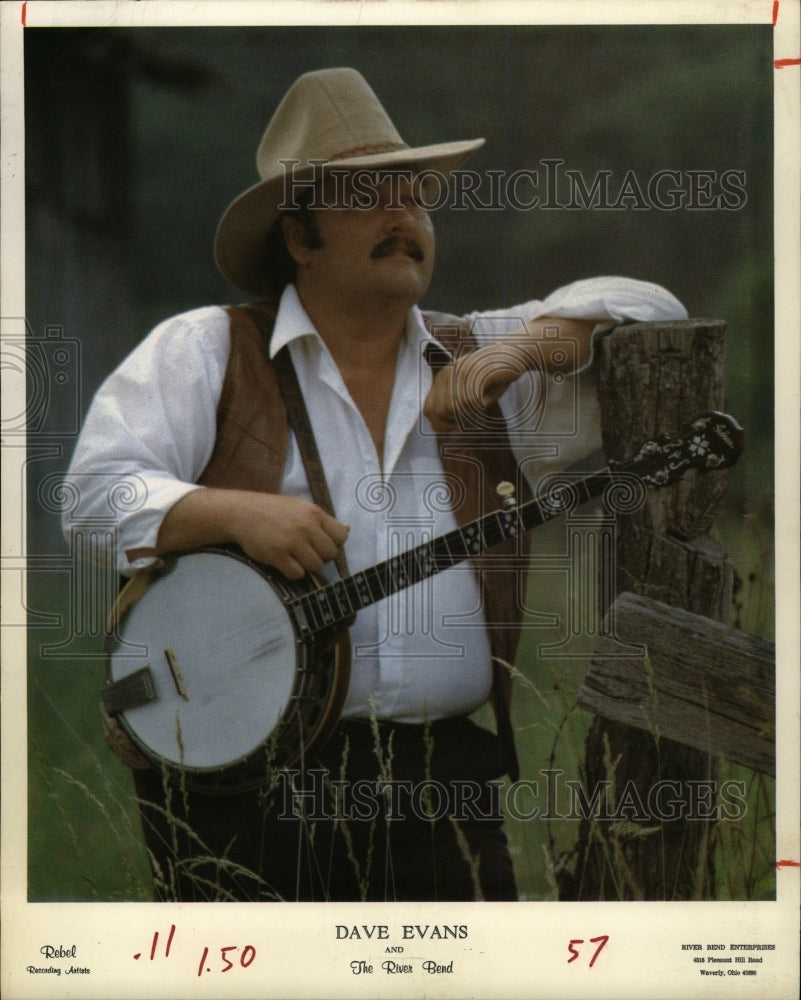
x: 422, y: 653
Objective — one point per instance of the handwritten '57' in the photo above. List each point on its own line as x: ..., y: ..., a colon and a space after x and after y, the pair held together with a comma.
x: 574, y: 952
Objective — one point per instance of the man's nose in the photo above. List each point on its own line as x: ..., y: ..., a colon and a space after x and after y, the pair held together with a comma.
x: 399, y: 215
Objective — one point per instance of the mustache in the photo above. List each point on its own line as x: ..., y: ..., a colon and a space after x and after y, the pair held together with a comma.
x: 391, y: 245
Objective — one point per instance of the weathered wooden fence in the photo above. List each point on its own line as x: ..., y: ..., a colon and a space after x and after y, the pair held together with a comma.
x: 699, y: 682
x: 674, y: 688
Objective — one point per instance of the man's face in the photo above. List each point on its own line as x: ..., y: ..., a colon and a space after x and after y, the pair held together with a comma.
x: 377, y: 241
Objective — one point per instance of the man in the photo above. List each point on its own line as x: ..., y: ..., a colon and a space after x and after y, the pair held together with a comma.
x: 338, y: 243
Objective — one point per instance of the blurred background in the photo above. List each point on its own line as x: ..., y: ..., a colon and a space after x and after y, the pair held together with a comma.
x: 137, y: 139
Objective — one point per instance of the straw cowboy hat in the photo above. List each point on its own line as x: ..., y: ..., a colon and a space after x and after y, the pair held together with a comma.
x: 331, y: 115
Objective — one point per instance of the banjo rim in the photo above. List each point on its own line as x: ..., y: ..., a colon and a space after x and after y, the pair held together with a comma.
x: 311, y: 713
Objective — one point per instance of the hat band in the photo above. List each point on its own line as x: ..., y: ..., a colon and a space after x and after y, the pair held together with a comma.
x: 369, y: 150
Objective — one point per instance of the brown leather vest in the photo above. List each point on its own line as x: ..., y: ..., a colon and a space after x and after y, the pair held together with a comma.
x: 251, y: 448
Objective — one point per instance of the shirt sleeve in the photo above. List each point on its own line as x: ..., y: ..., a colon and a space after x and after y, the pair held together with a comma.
x: 613, y: 300
x: 608, y: 300
x: 148, y: 435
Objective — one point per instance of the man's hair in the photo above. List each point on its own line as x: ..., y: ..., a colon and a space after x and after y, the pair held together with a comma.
x: 282, y: 266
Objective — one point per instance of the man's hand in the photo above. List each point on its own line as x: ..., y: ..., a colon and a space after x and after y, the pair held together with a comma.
x: 462, y: 391
x: 291, y: 534
x: 465, y: 389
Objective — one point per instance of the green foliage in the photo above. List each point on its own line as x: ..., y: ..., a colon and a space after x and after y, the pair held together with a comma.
x: 84, y: 834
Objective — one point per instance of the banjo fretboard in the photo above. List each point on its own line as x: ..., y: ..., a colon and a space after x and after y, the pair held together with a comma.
x: 331, y: 605
x: 712, y: 441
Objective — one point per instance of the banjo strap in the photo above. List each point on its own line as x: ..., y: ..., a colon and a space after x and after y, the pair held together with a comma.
x: 298, y: 419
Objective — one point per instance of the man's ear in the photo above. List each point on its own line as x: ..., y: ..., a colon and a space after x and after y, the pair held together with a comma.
x: 296, y: 239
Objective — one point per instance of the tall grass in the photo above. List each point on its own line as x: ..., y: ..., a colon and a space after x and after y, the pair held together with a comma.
x: 552, y: 732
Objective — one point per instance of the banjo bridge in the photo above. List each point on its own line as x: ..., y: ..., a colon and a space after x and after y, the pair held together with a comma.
x: 175, y: 670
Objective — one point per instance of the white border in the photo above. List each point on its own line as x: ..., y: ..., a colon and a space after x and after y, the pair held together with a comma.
x: 514, y: 948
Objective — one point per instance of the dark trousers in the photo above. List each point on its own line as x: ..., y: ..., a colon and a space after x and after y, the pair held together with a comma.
x: 384, y: 812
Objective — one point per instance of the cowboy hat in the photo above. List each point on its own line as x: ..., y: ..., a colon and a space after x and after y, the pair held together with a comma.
x: 329, y: 115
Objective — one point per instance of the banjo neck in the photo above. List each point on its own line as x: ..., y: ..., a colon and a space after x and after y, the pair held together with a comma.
x: 711, y: 441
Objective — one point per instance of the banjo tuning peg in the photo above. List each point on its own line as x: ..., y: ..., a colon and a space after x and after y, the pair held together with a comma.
x: 506, y: 491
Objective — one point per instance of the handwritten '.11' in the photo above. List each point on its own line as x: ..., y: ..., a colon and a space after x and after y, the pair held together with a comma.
x: 246, y: 958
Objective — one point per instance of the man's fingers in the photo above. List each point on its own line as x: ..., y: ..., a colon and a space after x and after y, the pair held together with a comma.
x: 438, y: 406
x: 308, y: 543
x: 335, y: 530
x: 321, y: 542
x: 314, y: 551
x: 290, y: 533
x: 462, y: 392
x: 289, y: 567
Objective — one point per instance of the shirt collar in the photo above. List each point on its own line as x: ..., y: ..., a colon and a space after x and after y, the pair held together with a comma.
x: 292, y: 323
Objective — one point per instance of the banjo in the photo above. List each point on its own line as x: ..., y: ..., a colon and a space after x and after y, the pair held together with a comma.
x: 220, y: 700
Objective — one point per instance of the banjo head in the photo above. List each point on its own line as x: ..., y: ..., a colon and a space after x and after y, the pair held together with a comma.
x: 220, y: 646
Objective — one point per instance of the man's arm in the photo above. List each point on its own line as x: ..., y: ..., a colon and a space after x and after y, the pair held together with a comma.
x: 479, y: 379
x: 574, y: 311
x: 148, y: 436
x: 289, y: 533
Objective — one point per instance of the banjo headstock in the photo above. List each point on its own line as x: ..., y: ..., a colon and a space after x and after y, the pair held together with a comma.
x: 709, y: 442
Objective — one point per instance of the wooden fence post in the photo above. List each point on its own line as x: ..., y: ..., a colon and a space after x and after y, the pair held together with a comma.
x: 653, y: 378
x: 699, y: 682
